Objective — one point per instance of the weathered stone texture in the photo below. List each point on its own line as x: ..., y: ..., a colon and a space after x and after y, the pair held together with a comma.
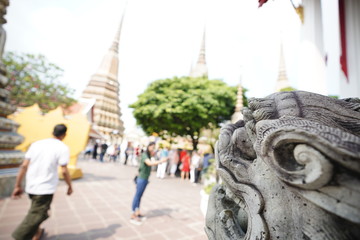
x: 290, y: 170
x: 9, y: 138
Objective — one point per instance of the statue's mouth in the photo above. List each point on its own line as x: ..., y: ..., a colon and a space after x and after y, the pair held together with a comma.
x: 230, y: 211
x: 235, y: 206
x: 229, y: 216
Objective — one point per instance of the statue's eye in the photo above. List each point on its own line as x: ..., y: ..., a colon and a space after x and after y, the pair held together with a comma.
x: 243, y: 144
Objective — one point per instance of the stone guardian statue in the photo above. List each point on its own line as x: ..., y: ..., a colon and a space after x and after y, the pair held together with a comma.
x: 289, y: 170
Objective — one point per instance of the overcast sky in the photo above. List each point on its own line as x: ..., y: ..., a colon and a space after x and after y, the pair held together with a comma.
x: 160, y: 39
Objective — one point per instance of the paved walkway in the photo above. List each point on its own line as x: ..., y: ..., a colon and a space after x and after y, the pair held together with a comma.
x: 100, y: 208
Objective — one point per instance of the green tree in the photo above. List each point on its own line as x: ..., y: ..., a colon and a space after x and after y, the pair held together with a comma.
x: 183, y: 106
x: 32, y: 79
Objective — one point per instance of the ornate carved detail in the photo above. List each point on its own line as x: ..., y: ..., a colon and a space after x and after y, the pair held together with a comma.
x: 233, y: 217
x: 8, y: 137
x: 8, y: 125
x: 6, y: 109
x: 291, y: 168
x: 11, y: 158
x: 9, y: 140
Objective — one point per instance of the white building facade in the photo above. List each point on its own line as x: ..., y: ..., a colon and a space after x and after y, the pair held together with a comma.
x: 331, y: 35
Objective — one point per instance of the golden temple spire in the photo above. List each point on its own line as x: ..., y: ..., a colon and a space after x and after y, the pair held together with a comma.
x: 239, y: 104
x: 282, y: 81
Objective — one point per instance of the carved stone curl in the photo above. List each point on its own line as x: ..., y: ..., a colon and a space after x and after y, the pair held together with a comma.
x: 290, y: 170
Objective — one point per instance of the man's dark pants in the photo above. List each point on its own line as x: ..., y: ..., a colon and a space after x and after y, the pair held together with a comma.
x: 40, y: 205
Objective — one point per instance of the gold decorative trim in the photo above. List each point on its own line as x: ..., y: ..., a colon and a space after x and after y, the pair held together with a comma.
x: 300, y: 12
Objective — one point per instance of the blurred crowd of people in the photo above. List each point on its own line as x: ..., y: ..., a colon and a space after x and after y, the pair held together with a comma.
x: 186, y: 164
x: 102, y: 151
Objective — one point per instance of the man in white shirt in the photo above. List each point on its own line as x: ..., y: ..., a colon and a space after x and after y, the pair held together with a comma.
x: 40, y: 166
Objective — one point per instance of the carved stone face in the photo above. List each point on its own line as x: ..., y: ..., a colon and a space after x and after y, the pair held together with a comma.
x: 290, y: 170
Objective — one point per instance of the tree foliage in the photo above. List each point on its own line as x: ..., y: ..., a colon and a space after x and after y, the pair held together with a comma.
x: 183, y: 106
x: 35, y: 80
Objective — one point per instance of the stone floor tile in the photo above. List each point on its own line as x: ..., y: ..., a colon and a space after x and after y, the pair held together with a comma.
x: 94, y: 225
x: 100, y: 208
x: 155, y: 236
x: 5, y: 237
x: 173, y: 234
x: 6, y: 229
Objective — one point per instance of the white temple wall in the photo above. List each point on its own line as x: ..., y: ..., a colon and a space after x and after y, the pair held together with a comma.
x: 321, y: 48
x: 331, y: 33
x: 351, y: 87
x: 312, y: 57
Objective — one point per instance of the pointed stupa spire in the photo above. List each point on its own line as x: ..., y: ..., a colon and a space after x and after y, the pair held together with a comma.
x: 104, y: 88
x: 282, y: 81
x: 239, y: 104
x: 115, y: 45
x: 191, y: 68
x: 200, y: 68
x: 239, y: 99
x: 110, y: 62
x: 201, y: 59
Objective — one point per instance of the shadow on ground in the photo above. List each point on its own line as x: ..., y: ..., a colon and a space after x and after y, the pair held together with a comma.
x: 98, y: 233
x: 87, y: 177
x: 160, y: 212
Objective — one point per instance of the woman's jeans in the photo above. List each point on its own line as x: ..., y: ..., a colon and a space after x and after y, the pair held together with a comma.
x: 140, y: 188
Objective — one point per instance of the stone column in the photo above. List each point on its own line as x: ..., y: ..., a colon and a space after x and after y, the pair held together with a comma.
x: 10, y: 159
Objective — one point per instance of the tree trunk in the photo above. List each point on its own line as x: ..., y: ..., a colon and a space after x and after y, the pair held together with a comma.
x: 212, y: 145
x: 194, y: 142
